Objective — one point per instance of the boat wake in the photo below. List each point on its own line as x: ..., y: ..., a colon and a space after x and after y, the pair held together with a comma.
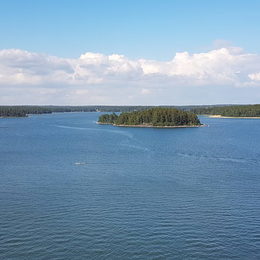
x: 226, y: 159
x: 125, y: 133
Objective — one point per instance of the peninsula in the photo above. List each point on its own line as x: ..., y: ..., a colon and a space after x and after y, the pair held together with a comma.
x: 229, y: 111
x: 154, y: 117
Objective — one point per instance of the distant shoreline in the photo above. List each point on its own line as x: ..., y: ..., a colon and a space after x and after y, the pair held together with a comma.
x: 151, y: 126
x: 2, y: 117
x: 242, y: 117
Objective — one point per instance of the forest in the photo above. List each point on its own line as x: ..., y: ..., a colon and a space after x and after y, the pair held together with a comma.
x: 152, y: 117
x: 23, y: 111
x: 230, y: 110
x: 223, y: 110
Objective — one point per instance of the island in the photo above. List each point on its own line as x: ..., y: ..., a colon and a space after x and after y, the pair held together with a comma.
x: 154, y: 117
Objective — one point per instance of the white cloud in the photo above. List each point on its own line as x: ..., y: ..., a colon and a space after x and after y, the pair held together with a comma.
x: 145, y: 91
x: 225, y: 66
x: 92, y: 74
x: 254, y: 76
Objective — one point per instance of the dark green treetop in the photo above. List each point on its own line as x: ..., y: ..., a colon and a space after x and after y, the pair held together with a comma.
x: 152, y: 117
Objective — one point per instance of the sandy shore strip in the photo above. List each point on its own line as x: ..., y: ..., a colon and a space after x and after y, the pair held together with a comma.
x: 151, y: 126
x: 245, y: 117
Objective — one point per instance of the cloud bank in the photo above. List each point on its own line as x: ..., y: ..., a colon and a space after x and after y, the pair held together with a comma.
x: 94, y: 78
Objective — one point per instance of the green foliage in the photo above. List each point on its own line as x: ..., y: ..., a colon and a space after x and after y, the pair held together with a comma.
x: 108, y: 118
x: 22, y: 111
x: 155, y: 117
x: 227, y: 110
x: 234, y: 110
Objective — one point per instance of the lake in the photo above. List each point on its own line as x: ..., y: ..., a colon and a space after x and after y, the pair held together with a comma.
x: 73, y: 189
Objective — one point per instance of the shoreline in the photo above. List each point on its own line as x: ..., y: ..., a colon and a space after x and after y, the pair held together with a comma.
x: 151, y: 126
x: 242, y: 117
x: 2, y: 117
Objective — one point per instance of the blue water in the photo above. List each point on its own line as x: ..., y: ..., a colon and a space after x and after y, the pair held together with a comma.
x: 72, y: 189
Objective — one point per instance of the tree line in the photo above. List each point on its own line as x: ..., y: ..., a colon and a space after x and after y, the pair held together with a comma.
x: 22, y: 111
x: 230, y: 110
x: 225, y: 110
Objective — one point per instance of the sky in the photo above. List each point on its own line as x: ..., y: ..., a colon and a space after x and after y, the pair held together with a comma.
x: 129, y: 52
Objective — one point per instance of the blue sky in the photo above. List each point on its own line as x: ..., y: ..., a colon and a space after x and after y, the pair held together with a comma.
x: 129, y: 52
x: 153, y: 29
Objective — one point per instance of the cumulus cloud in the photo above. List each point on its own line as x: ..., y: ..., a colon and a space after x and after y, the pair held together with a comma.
x: 254, y: 76
x: 91, y: 72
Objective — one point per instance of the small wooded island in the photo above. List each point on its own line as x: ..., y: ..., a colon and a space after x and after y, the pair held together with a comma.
x: 154, y: 117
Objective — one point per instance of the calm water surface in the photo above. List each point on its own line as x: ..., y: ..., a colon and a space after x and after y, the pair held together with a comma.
x: 72, y: 189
